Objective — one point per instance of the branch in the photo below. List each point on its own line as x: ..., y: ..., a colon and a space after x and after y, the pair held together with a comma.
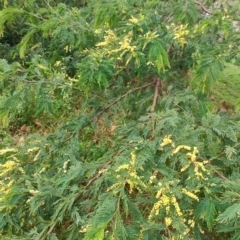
x: 220, y: 175
x: 100, y: 172
x: 119, y: 99
x: 203, y: 8
x: 157, y: 85
x: 168, y: 17
x: 209, y: 12
x: 96, y: 116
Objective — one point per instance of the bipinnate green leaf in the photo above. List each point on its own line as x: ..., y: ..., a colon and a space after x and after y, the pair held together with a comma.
x: 206, y: 210
x: 104, y: 213
x: 231, y: 213
x: 96, y: 233
x: 158, y: 54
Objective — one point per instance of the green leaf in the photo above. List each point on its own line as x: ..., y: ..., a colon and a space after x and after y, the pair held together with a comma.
x: 231, y: 213
x: 206, y: 210
x: 158, y: 55
x: 25, y: 41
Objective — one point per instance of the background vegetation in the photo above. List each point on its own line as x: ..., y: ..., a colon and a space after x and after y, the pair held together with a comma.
x: 119, y: 120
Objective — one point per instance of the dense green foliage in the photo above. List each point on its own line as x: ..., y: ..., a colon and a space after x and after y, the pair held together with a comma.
x: 107, y: 130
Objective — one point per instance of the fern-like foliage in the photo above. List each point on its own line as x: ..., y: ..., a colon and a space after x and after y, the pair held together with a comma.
x: 106, y: 137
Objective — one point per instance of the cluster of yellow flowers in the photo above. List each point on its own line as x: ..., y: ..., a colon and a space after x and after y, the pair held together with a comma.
x: 166, y: 141
x: 134, y: 20
x: 180, y: 34
x: 33, y: 150
x: 7, y: 150
x: 199, y: 167
x: 109, y: 38
x: 124, y: 45
x: 5, y: 188
x: 7, y: 167
x: 132, y: 179
x: 190, y: 194
x: 65, y: 165
x: 165, y: 200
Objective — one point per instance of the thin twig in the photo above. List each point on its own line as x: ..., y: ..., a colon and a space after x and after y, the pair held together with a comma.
x: 155, y: 98
x: 90, y: 181
x: 100, y: 172
x: 168, y: 17
x: 47, y: 2
x: 169, y: 49
x: 51, y: 228
x: 220, y: 175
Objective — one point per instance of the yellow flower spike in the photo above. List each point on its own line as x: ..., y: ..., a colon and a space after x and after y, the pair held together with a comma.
x: 168, y: 221
x: 178, y: 148
x: 193, y: 155
x: 152, y: 178
x: 185, y: 167
x: 159, y: 192
x: 33, y: 192
x: 175, y: 204
x: 195, y: 150
x: 166, y: 141
x: 207, y: 190
x: 115, y: 185
x: 133, y: 156
x: 165, y: 200
x: 191, y: 222
x: 32, y: 149
x: 9, y: 165
x: 190, y: 194
x: 180, y: 32
x: 133, y: 20
x: 151, y: 35
x: 168, y: 209
x: 109, y: 38
x: 65, y: 165
x: 124, y: 166
x: 7, y: 150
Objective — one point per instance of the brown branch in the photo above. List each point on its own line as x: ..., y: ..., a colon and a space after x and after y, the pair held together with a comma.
x: 155, y: 98
x: 119, y: 99
x: 209, y: 12
x: 220, y: 175
x: 169, y: 49
x: 157, y: 86
x: 51, y: 228
x: 96, y: 116
x: 168, y: 17
x: 203, y: 8
x: 169, y: 234
x: 90, y: 181
x: 100, y: 172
